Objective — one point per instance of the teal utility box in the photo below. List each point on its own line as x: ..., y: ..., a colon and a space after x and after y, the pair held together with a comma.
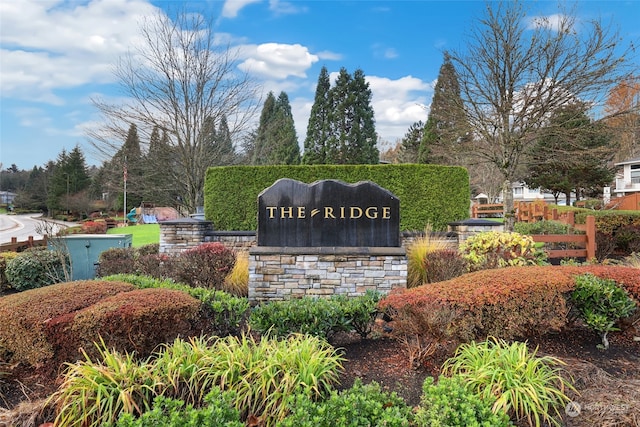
x: 85, y: 249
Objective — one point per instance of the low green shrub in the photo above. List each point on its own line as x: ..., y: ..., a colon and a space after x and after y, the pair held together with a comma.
x: 37, y: 267
x: 601, y: 304
x: 360, y: 312
x: 226, y: 312
x: 321, y: 317
x: 543, y: 227
x: 450, y: 403
x: 493, y: 249
x: 5, y: 257
x: 218, y: 411
x: 519, y: 383
x: 360, y: 405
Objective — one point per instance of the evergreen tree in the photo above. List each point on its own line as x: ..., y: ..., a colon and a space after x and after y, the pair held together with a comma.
x: 446, y: 128
x: 410, y: 144
x: 343, y: 131
x: 224, y: 143
x: 129, y: 160
x: 261, y: 146
x: 282, y: 134
x: 160, y: 175
x: 362, y: 147
x: 571, y: 155
x: 276, y: 140
x: 318, y: 126
x: 69, y: 178
x: 339, y: 119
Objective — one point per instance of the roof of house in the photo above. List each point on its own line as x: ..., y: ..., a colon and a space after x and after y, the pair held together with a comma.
x: 628, y: 162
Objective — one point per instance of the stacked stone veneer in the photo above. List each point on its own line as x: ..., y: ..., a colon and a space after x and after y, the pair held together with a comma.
x: 278, y: 273
x: 185, y: 233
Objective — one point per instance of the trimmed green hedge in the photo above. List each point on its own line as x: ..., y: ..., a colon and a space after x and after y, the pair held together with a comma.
x: 429, y: 194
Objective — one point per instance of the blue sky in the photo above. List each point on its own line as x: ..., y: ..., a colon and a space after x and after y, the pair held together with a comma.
x: 56, y: 55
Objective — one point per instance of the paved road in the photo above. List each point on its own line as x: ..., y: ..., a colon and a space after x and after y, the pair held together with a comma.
x: 23, y: 226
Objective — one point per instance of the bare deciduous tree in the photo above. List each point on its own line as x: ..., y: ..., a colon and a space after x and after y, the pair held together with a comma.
x: 176, y: 79
x: 516, y: 70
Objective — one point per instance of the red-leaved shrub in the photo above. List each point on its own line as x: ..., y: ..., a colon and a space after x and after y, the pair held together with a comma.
x: 23, y: 316
x: 514, y: 302
x: 205, y: 266
x: 136, y: 321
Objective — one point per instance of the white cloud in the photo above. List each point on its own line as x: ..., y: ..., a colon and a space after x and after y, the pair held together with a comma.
x: 554, y: 22
x: 381, y: 51
x: 329, y: 56
x: 277, y: 61
x: 232, y: 7
x: 49, y: 45
x: 285, y: 8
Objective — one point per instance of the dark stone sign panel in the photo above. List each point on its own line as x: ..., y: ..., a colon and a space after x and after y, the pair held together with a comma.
x: 328, y: 213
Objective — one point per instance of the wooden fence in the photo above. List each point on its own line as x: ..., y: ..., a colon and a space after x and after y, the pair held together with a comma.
x: 588, y: 240
x: 15, y: 246
x: 538, y: 211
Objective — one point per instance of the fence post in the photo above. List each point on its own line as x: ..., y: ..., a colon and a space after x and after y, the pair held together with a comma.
x: 591, y: 237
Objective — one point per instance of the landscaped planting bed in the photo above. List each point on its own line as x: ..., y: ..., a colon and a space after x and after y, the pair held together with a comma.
x: 159, y: 363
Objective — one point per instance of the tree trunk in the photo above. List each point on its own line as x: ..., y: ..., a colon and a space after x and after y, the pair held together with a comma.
x: 508, y: 208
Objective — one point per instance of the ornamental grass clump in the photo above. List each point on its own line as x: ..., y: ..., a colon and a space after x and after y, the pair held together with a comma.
x: 260, y: 374
x: 601, y: 304
x: 95, y: 392
x: 526, y: 387
x: 417, y: 252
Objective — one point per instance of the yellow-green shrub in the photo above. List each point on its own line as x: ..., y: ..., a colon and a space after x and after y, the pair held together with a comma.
x: 494, y: 249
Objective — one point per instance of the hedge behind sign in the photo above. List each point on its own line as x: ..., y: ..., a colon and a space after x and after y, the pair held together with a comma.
x: 429, y: 194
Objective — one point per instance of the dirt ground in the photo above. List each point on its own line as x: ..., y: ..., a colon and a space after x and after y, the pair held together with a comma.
x: 608, y: 381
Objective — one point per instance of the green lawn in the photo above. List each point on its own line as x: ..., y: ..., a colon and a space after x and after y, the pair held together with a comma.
x: 142, y: 234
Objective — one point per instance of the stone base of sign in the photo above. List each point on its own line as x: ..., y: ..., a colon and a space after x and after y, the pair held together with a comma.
x: 281, y: 273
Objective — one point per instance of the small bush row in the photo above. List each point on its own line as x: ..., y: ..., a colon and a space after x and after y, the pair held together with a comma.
x: 507, y: 303
x: 132, y: 313
x: 206, y: 265
x: 225, y: 312
x: 321, y: 317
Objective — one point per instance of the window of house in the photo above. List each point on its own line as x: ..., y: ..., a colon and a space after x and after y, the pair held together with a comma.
x: 635, y: 174
x: 518, y: 191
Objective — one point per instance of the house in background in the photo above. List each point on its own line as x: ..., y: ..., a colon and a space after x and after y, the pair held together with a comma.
x: 522, y: 193
x: 7, y: 197
x: 628, y: 181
